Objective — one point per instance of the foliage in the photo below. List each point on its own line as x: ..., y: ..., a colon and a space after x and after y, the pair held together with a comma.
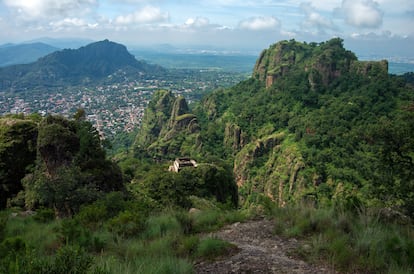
x: 352, y: 243
x: 175, y: 189
x: 71, y: 167
x: 347, y: 125
x: 211, y: 248
x: 127, y: 224
x: 17, y: 153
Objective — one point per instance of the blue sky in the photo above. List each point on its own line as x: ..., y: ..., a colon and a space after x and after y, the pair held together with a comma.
x: 377, y: 27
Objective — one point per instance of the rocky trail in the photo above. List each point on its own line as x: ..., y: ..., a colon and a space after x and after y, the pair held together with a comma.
x: 259, y: 251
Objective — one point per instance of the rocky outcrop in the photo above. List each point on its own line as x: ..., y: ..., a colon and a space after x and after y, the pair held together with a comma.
x: 276, y: 61
x: 323, y: 62
x: 167, y: 127
x: 234, y: 137
x: 271, y: 166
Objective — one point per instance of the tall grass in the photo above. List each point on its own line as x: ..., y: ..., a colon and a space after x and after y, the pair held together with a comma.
x: 351, y: 242
x: 122, y: 242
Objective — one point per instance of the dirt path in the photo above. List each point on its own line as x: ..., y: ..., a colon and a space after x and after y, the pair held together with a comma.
x: 259, y: 251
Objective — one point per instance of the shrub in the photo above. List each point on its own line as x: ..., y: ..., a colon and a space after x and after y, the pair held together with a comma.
x: 211, y: 248
x: 186, y: 221
x: 207, y: 221
x: 70, y: 259
x: 126, y: 224
x: 3, y: 223
x: 187, y: 246
x: 44, y: 215
x: 92, y: 216
x: 159, y: 226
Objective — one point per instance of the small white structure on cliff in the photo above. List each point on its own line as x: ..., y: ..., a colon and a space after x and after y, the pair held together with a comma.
x: 180, y: 163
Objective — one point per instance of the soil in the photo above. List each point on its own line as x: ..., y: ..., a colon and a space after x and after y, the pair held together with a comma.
x: 258, y: 251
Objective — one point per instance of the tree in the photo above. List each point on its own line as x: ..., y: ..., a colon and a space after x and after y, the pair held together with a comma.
x: 71, y: 169
x: 17, y: 153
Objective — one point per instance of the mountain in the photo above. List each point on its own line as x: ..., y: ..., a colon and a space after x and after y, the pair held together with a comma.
x: 168, y: 127
x: 312, y: 124
x: 11, y: 54
x: 63, y: 43
x: 94, y: 62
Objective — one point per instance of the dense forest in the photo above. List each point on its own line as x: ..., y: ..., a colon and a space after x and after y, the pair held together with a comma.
x: 319, y: 141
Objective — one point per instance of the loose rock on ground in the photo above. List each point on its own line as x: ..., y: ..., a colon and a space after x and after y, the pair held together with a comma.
x: 258, y: 251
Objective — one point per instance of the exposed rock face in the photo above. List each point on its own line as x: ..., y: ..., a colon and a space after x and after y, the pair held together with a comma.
x: 275, y: 62
x: 168, y: 128
x: 323, y: 62
x: 234, y: 137
x: 277, y: 165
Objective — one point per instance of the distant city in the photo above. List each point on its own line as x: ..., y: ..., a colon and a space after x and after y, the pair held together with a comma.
x: 116, y: 107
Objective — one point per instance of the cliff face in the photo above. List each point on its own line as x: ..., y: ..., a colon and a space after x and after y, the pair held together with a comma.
x: 271, y: 166
x: 168, y: 129
x: 322, y: 62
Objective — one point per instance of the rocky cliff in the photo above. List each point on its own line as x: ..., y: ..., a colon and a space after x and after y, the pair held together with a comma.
x: 168, y: 130
x: 324, y: 62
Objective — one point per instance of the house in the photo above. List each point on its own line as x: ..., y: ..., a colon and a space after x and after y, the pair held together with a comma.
x: 181, y: 163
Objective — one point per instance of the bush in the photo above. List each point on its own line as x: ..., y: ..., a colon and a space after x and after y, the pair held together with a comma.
x: 162, y: 225
x: 44, y: 215
x: 73, y: 233
x: 92, y: 216
x: 186, y: 221
x: 211, y: 248
x: 187, y: 246
x: 70, y: 259
x: 351, y: 244
x: 3, y: 223
x: 207, y: 221
x: 127, y: 224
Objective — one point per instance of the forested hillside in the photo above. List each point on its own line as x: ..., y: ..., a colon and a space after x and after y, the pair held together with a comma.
x: 314, y: 122
x: 319, y: 142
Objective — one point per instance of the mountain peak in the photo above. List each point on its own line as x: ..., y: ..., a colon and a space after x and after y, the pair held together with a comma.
x: 94, y: 61
x: 324, y: 61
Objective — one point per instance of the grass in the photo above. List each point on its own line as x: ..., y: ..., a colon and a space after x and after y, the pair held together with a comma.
x: 129, y: 242
x: 211, y: 248
x: 349, y: 242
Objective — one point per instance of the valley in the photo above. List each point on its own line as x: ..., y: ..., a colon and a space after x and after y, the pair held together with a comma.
x: 305, y: 165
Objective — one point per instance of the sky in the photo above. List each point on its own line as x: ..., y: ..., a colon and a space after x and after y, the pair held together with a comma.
x: 369, y: 27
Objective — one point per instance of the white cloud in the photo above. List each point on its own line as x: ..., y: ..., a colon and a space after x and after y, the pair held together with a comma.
x: 260, y: 23
x: 71, y: 23
x: 198, y: 22
x: 362, y: 13
x: 315, y: 19
x: 146, y: 15
x: 40, y: 9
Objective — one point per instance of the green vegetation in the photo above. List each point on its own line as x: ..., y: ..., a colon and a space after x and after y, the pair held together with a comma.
x: 317, y: 140
x: 107, y: 236
x: 366, y: 241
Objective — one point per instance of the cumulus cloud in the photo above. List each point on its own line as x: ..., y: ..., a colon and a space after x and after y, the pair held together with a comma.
x: 315, y: 19
x: 146, y: 15
x: 260, y: 23
x: 38, y: 9
x: 69, y: 23
x: 362, y: 13
x: 198, y: 22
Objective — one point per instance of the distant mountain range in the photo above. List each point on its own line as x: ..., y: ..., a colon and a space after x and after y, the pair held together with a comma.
x: 93, y: 62
x: 11, y: 54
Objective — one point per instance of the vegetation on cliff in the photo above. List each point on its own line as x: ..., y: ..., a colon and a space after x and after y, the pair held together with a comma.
x: 315, y: 138
x: 345, y: 127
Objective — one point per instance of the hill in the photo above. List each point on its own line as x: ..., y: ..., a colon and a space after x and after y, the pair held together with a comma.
x: 313, y: 123
x: 94, y: 62
x: 23, y: 53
